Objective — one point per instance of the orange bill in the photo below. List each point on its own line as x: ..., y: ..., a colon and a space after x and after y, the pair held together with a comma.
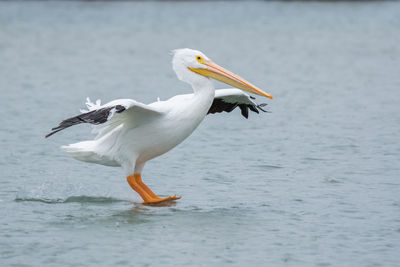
x: 217, y: 72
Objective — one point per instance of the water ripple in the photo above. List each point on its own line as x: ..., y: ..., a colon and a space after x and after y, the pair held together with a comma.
x: 73, y: 199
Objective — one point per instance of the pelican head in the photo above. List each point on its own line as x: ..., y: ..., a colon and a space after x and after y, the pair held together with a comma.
x: 195, y: 68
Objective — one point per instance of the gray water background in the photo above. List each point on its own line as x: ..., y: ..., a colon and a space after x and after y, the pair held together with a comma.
x: 313, y: 183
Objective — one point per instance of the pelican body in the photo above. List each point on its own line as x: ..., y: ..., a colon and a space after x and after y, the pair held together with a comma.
x: 130, y: 133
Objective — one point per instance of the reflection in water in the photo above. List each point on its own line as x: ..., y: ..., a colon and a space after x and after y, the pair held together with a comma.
x: 162, y: 204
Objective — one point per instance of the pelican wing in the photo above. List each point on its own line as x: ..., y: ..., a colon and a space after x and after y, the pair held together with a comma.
x: 105, y: 118
x: 226, y: 100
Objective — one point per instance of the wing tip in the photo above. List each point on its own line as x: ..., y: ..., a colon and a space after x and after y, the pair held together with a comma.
x: 51, y: 133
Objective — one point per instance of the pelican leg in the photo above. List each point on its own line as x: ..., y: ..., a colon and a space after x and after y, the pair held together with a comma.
x: 148, y: 196
x: 135, y: 186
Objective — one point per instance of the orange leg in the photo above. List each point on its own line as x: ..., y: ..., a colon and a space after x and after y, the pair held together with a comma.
x: 148, y: 196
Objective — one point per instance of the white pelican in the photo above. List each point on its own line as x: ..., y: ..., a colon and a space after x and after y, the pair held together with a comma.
x: 130, y: 133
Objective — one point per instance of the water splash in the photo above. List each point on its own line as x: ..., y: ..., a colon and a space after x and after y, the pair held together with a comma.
x: 72, y: 199
x: 54, y: 193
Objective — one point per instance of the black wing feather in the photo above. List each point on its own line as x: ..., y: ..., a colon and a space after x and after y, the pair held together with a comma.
x: 244, y: 110
x: 253, y: 108
x: 97, y: 116
x: 219, y: 105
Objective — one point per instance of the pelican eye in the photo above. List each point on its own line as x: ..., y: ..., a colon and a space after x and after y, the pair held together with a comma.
x: 199, y: 59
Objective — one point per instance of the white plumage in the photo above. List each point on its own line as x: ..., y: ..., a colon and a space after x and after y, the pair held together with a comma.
x: 130, y: 133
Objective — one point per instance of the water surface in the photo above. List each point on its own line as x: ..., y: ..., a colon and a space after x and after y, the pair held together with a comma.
x: 313, y: 183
